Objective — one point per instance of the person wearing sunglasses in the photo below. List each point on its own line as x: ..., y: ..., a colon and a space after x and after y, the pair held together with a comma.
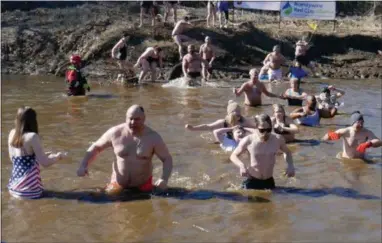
x: 262, y: 146
x: 356, y: 138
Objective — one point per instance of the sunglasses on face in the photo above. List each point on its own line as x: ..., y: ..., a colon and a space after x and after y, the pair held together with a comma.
x: 265, y: 130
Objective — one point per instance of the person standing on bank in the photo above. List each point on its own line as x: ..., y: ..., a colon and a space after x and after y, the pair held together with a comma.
x: 119, y: 53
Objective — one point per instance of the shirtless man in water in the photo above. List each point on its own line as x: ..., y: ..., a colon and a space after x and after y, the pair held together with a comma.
x: 262, y: 146
x: 253, y: 90
x: 273, y: 62
x: 356, y: 139
x: 134, y: 145
x: 208, y: 53
x: 178, y: 36
x: 192, y: 64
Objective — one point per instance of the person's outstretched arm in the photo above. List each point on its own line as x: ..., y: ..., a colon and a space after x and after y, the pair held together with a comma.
x: 206, y: 127
x: 101, y: 144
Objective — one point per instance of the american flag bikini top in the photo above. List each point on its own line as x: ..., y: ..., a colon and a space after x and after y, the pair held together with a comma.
x: 25, y: 180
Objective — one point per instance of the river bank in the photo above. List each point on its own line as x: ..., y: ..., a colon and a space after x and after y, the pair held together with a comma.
x: 39, y: 41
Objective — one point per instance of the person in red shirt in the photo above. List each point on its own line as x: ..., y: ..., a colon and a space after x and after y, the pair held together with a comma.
x: 76, y: 82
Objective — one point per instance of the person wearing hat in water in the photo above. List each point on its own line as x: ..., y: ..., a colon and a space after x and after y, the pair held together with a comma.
x: 253, y: 90
x: 232, y: 119
x: 76, y: 82
x: 327, y: 101
x: 262, y: 146
x: 356, y: 138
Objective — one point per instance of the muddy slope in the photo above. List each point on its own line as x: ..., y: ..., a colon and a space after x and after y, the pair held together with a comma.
x: 39, y: 41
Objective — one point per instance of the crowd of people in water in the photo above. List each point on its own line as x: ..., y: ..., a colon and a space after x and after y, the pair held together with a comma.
x: 134, y: 143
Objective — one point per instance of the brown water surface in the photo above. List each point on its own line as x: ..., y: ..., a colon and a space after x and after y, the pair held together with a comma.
x: 330, y: 200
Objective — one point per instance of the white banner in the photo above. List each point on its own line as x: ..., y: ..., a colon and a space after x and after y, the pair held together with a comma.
x: 308, y: 10
x: 265, y: 5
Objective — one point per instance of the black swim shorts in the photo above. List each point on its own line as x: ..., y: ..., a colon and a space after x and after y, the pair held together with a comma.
x: 194, y: 74
x: 258, y: 184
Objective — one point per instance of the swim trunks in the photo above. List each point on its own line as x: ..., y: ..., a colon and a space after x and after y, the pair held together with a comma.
x: 275, y: 74
x: 152, y: 59
x: 209, y: 70
x: 194, y: 74
x: 115, y: 189
x: 122, y: 53
x: 258, y: 184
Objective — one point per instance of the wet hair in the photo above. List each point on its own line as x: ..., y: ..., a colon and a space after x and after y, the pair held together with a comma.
x: 186, y: 18
x: 240, y: 128
x: 263, y: 118
x: 231, y: 120
x: 125, y: 35
x: 279, y: 107
x: 26, y: 121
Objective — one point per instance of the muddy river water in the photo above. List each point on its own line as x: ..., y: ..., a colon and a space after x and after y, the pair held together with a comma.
x: 329, y: 200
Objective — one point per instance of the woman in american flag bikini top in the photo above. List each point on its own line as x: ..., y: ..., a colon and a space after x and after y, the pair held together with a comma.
x: 26, y: 153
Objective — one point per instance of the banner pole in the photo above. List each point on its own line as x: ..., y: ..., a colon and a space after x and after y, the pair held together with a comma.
x: 334, y: 25
x: 233, y: 14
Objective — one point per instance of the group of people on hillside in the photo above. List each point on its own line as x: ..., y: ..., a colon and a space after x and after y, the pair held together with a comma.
x: 151, y: 8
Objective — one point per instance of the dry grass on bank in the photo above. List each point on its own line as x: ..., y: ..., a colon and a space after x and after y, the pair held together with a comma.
x: 369, y: 25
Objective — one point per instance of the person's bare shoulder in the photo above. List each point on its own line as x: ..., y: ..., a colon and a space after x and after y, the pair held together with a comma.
x: 154, y: 136
x: 116, y: 131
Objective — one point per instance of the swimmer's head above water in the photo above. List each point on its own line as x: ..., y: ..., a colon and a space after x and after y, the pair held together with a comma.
x: 135, y: 118
x: 264, y: 126
x: 294, y: 83
x: 26, y: 121
x: 191, y: 49
x: 278, y: 111
x: 356, y: 120
x: 238, y: 133
x: 233, y: 113
x: 253, y: 74
x: 311, y: 101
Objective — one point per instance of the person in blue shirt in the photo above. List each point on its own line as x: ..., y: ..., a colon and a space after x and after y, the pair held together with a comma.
x: 297, y: 72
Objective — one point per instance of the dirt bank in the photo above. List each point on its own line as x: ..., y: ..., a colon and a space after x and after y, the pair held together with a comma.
x: 39, y: 41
